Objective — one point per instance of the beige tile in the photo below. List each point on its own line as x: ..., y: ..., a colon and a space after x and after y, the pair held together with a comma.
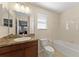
x: 58, y: 54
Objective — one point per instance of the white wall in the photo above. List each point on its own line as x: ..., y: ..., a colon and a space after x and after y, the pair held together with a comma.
x: 52, y: 22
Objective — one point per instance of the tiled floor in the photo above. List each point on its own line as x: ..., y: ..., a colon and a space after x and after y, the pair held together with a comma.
x: 56, y: 54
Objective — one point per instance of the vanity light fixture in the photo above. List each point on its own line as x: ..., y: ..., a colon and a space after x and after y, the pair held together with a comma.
x: 22, y: 8
x: 17, y: 7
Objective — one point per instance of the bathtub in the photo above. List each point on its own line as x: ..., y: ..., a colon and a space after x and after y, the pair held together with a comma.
x: 69, y: 49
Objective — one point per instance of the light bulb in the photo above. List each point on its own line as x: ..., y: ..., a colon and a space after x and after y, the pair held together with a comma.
x: 27, y: 10
x: 17, y: 7
x: 22, y: 8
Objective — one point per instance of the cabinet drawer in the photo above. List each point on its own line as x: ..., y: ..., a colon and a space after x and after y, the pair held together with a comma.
x: 17, y: 53
x: 29, y: 44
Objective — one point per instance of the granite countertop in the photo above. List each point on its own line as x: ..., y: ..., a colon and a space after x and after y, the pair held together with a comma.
x: 6, y: 41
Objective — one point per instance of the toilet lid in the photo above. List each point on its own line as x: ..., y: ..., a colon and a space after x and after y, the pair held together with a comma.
x: 49, y: 48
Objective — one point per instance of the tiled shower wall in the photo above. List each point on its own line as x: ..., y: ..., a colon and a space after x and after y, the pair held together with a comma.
x: 69, y: 25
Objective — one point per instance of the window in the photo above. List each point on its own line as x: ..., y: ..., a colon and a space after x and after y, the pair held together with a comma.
x: 42, y: 21
x: 8, y: 22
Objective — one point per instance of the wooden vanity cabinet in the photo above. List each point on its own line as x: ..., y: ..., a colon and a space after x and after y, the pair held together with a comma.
x: 27, y: 49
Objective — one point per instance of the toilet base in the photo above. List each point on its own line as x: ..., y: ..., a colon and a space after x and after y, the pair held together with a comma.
x: 48, y: 54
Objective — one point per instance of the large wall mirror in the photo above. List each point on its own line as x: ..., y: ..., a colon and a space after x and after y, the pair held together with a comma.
x: 22, y: 23
x: 14, y: 19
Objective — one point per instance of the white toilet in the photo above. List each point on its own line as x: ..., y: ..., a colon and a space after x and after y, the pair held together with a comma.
x: 49, y: 51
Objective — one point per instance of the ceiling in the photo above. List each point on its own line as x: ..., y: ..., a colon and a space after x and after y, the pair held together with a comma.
x: 57, y: 6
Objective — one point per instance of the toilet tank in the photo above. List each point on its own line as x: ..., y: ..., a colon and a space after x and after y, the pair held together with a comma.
x: 44, y: 42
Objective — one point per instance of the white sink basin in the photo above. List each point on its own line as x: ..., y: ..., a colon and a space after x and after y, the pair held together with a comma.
x: 22, y: 39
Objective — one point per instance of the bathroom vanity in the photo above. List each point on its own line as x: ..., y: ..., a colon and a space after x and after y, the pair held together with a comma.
x: 17, y: 23
x: 28, y: 48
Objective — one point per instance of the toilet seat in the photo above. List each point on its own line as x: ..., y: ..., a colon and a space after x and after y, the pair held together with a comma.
x: 49, y: 49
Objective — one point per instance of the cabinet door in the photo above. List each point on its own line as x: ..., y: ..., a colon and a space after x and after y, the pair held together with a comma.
x: 31, y: 51
x: 17, y: 53
x: 5, y: 55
